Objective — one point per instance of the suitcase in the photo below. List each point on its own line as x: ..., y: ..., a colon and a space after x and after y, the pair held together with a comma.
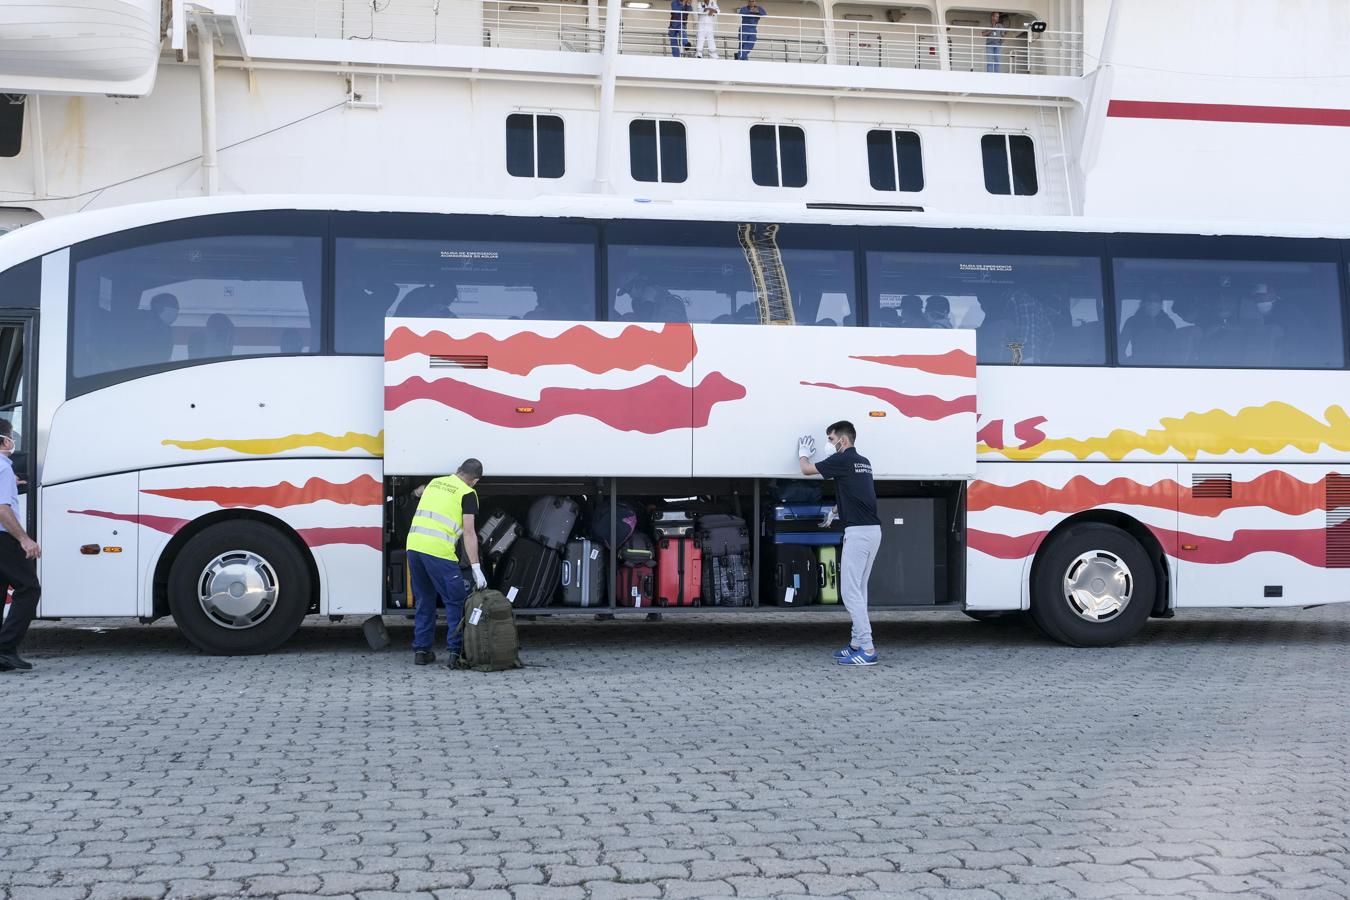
x: 528, y: 574
x: 799, y: 523
x: 673, y: 523
x: 726, y: 580
x: 827, y: 573
x: 551, y: 520
x: 720, y: 535
x: 679, y: 571
x: 583, y: 574
x: 496, y: 535
x: 637, y: 585
x: 793, y: 574
x: 638, y: 549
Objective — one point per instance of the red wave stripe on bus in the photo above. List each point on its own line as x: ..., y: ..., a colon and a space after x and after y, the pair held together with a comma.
x: 158, y: 523
x: 955, y: 362
x: 1277, y: 491
x: 362, y: 491
x: 1307, y: 545
x: 920, y: 406
x: 670, y: 347
x: 370, y: 536
x: 651, y: 408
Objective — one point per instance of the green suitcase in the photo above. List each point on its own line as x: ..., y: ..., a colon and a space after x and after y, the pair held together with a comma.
x: 827, y: 565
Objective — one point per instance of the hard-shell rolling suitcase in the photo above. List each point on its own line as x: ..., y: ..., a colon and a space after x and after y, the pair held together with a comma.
x: 583, y: 574
x: 496, y: 535
x: 637, y: 585
x: 726, y: 580
x: 673, y: 523
x: 802, y: 523
x: 720, y: 535
x: 528, y: 575
x: 551, y: 520
x: 679, y: 570
x: 794, y: 576
x: 827, y: 572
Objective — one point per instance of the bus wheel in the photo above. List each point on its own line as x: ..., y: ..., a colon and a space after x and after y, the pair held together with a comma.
x: 239, y: 587
x: 1094, y: 586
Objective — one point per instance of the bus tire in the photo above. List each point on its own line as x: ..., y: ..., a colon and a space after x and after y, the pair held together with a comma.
x: 238, y: 588
x: 1093, y: 586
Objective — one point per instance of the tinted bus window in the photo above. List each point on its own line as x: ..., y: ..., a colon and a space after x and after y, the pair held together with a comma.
x: 1026, y: 310
x: 453, y: 277
x: 705, y: 272
x: 196, y: 299
x: 1228, y: 313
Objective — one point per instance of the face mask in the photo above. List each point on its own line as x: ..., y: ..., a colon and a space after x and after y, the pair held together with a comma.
x: 1151, y: 311
x: 1265, y: 306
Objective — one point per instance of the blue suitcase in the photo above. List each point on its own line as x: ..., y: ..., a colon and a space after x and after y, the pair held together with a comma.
x: 800, y: 523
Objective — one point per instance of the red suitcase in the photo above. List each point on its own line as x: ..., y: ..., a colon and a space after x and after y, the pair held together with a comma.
x: 679, y: 570
x: 637, y: 585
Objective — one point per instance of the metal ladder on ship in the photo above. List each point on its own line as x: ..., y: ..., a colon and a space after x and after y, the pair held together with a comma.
x: 766, y: 268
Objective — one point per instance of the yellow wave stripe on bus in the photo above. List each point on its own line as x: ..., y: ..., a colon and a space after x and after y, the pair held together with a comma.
x: 1266, y: 429
x: 352, y: 440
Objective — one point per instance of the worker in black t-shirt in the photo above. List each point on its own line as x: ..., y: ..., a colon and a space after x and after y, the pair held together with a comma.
x: 857, y: 503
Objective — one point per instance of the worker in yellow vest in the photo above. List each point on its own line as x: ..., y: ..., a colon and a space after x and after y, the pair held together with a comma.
x: 444, y: 515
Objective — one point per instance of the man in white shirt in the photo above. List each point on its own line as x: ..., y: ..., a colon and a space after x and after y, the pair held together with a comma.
x: 707, y: 27
x: 18, y: 568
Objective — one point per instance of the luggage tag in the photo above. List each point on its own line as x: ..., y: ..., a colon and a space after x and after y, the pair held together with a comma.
x: 789, y: 594
x: 595, y: 553
x: 475, y: 615
x: 511, y: 595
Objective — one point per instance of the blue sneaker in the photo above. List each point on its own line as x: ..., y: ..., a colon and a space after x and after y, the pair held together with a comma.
x: 845, y: 652
x: 858, y: 658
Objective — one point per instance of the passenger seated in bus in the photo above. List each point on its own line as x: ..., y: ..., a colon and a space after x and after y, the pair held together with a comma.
x: 911, y: 312
x: 888, y: 317
x: 427, y: 302
x: 938, y: 310
x: 550, y: 303
x: 364, y: 310
x: 127, y: 334
x: 164, y: 308
x: 993, y: 327
x: 1288, y: 330
x: 1032, y: 330
x: 1146, y: 338
x: 214, y: 341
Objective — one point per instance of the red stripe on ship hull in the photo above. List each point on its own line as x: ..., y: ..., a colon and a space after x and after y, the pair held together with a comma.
x: 1224, y: 112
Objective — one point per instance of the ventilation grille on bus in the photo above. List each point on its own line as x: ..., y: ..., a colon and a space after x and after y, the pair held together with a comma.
x: 439, y: 361
x: 1338, y: 513
x: 1212, y: 485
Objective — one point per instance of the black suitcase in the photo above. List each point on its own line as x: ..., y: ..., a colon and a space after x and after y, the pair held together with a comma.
x: 584, y: 572
x: 720, y: 535
x: 726, y: 580
x: 551, y: 520
x: 496, y: 534
x: 794, y: 576
x: 529, y: 574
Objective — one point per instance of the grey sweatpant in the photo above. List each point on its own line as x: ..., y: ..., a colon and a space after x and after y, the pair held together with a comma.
x: 861, y: 543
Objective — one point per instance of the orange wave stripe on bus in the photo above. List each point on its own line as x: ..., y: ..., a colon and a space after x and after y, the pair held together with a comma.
x: 1266, y: 429
x: 653, y: 407
x: 955, y: 362
x: 670, y: 347
x: 1308, y: 545
x: 915, y: 406
x: 338, y: 443
x: 1277, y: 491
x: 363, y: 491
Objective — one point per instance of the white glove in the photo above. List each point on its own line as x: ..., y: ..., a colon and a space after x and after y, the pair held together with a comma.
x: 479, y: 579
x: 806, y: 447
x: 830, y: 517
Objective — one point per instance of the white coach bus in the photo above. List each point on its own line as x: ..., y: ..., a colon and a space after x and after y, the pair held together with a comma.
x: 212, y: 425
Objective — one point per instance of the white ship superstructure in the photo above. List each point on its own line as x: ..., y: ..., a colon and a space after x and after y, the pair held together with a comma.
x: 1063, y: 107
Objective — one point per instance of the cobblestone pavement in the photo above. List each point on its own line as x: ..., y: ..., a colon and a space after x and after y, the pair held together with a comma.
x: 695, y: 757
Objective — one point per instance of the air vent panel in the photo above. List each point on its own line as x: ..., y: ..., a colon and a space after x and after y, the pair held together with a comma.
x: 441, y: 361
x: 1338, y: 515
x: 1212, y: 486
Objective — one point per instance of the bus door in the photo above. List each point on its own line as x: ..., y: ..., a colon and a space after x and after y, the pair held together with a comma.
x: 18, y: 357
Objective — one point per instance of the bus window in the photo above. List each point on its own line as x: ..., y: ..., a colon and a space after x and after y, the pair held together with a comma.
x: 725, y: 273
x: 1228, y: 313
x: 1026, y: 310
x: 196, y: 299
x: 453, y: 278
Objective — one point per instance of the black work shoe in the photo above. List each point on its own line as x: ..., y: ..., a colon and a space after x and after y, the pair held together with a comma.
x: 12, y: 662
x: 424, y: 657
x: 450, y: 663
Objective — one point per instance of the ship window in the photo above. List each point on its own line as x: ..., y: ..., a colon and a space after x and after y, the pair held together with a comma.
x: 894, y: 160
x: 534, y: 146
x: 1009, y: 164
x: 656, y: 151
x: 11, y: 124
x: 778, y: 155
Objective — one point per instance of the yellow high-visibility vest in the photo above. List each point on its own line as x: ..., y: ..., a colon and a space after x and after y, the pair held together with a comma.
x: 439, y: 520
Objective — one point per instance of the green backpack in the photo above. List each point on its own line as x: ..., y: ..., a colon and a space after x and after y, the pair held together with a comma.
x: 489, y: 629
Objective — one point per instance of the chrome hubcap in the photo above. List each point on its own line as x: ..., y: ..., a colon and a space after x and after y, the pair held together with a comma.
x: 238, y: 589
x: 1098, y: 586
